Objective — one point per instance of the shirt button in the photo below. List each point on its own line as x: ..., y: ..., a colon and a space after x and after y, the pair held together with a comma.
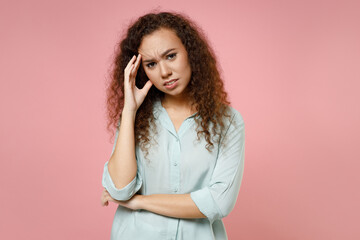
x: 175, y: 164
x: 176, y: 189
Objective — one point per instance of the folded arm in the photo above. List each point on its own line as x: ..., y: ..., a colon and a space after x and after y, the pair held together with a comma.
x: 171, y: 205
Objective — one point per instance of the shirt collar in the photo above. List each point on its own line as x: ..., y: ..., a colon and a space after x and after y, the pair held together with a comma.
x: 159, y: 109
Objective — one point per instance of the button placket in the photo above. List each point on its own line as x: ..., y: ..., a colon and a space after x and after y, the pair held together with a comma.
x: 176, y: 160
x: 175, y: 170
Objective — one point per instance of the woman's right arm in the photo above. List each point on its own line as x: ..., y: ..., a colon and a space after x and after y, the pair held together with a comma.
x: 122, y: 166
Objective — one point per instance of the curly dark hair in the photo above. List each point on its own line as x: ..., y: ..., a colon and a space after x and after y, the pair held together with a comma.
x: 206, y: 88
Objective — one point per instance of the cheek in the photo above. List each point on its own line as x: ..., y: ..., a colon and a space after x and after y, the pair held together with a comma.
x: 186, y: 68
x: 185, y: 65
x: 149, y: 75
x: 152, y: 77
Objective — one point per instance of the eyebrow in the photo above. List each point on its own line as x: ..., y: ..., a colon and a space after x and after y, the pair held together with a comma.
x: 162, y: 55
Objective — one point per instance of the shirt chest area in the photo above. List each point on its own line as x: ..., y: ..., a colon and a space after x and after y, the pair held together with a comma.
x: 176, y: 163
x: 177, y: 118
x: 166, y: 144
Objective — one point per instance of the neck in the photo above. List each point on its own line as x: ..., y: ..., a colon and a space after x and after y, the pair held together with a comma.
x: 177, y: 103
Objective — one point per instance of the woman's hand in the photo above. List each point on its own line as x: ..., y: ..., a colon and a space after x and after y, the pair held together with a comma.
x: 134, y: 96
x: 133, y: 203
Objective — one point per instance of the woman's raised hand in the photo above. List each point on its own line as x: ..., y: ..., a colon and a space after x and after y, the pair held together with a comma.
x: 134, y: 96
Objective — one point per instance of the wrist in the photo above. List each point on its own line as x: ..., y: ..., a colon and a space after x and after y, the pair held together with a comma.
x: 128, y: 114
x: 141, y: 202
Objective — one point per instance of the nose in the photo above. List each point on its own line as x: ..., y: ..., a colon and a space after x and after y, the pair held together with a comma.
x: 164, y: 69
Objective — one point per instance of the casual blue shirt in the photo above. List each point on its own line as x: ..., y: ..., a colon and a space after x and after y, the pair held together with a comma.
x: 177, y: 164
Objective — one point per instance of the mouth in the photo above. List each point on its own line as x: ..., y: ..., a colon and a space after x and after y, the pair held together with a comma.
x: 170, y: 82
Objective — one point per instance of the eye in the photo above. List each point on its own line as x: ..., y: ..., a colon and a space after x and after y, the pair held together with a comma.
x: 152, y: 64
x: 172, y: 55
x: 149, y: 65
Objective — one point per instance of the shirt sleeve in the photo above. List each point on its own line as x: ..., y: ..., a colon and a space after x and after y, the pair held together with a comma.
x: 218, y: 199
x: 126, y: 192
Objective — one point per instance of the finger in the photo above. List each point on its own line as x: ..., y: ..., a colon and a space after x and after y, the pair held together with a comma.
x: 103, y: 192
x: 147, y: 86
x: 130, y: 63
x: 131, y: 69
x: 137, y: 64
x: 104, y: 198
x: 103, y: 201
x: 127, y: 75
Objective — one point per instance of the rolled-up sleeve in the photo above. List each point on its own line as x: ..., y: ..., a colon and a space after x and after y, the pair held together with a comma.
x: 218, y: 199
x: 126, y: 192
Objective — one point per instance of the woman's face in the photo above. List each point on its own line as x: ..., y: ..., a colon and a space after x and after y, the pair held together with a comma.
x: 164, y: 59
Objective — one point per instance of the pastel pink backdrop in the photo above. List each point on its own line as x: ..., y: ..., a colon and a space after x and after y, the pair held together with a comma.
x: 291, y: 68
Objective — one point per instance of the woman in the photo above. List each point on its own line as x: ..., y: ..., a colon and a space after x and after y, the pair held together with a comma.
x: 177, y: 162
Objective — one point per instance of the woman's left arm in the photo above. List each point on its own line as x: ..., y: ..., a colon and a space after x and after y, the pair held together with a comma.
x: 171, y: 205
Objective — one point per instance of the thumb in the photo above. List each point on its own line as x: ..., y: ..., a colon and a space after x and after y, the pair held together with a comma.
x: 147, y: 86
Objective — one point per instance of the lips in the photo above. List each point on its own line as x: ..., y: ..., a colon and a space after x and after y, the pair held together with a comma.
x: 170, y: 81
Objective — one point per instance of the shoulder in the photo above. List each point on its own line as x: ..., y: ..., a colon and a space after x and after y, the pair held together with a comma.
x: 233, y: 135
x: 235, y: 117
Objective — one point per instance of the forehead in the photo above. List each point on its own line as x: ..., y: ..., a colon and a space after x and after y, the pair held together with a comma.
x: 159, y: 41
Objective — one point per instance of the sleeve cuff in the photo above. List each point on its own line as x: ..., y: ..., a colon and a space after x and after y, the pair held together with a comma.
x: 206, y: 204
x: 124, y: 193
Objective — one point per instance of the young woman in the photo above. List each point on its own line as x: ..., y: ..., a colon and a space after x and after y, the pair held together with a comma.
x: 178, y: 159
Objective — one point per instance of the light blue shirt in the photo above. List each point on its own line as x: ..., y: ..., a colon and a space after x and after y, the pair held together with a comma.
x: 179, y: 164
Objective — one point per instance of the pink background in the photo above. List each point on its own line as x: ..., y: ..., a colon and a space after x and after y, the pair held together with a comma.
x: 291, y: 68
